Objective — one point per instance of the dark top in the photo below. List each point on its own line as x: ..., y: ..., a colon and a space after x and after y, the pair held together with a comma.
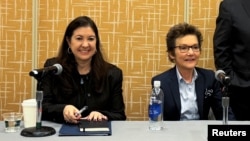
x: 232, y: 41
x: 207, y: 89
x: 75, y: 89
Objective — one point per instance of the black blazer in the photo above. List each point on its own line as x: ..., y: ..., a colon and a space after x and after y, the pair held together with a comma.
x: 66, y: 88
x: 232, y: 41
x: 207, y: 89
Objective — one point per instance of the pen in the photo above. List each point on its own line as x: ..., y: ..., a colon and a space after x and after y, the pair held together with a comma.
x: 81, y: 110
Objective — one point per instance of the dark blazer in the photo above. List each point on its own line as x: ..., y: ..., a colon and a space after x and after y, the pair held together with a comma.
x: 232, y: 41
x: 207, y: 91
x: 66, y: 88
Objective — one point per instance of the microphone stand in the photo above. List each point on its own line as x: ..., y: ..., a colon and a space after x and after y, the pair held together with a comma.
x: 39, y: 130
x: 225, y: 103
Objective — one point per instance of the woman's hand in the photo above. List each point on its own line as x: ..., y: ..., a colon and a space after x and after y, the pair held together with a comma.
x: 96, y: 116
x: 69, y: 114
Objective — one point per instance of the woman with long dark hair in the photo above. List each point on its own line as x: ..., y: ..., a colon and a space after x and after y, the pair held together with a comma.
x: 86, y: 80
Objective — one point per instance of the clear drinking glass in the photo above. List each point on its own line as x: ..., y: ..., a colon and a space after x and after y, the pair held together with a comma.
x: 12, y: 121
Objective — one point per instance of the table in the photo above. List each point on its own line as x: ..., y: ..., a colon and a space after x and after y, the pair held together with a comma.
x: 132, y: 131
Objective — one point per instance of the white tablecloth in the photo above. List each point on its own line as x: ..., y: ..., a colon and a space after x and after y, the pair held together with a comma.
x: 130, y: 131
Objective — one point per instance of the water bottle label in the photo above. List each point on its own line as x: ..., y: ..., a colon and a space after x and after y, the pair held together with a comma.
x: 154, y: 111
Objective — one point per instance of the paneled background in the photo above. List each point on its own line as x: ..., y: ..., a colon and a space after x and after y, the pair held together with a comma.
x: 132, y: 33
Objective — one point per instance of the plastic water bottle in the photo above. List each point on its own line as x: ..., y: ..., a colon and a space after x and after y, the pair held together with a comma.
x: 155, y: 108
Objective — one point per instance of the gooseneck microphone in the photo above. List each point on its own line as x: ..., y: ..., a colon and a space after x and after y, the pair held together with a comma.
x: 39, y: 130
x: 220, y: 75
x: 55, y: 69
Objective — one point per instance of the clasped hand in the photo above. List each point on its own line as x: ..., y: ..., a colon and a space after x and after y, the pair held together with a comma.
x: 69, y: 114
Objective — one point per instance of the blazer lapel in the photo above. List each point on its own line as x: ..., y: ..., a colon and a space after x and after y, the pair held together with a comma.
x: 200, y: 98
x: 175, y: 89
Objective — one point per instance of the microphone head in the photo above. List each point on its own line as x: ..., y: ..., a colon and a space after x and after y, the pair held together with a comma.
x: 59, y: 69
x: 217, y: 73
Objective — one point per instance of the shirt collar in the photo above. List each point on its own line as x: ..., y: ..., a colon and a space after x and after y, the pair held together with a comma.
x: 179, y: 77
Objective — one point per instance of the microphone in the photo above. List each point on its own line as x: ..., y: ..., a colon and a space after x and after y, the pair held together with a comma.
x: 55, y: 69
x: 220, y: 75
x: 39, y: 130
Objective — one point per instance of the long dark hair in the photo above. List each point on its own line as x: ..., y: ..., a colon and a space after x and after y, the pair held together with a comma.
x: 99, y: 66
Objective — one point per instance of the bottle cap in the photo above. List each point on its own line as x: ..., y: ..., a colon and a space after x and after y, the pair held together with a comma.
x: 157, y: 83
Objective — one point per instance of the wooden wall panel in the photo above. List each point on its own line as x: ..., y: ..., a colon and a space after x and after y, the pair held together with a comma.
x: 15, y: 53
x: 203, y: 13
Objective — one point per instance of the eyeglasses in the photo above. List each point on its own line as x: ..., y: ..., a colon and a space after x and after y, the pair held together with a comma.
x: 185, y: 48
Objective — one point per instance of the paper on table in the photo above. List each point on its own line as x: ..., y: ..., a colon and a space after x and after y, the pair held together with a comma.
x: 88, y: 126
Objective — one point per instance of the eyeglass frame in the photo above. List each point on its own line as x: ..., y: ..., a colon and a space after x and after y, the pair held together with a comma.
x: 185, y: 48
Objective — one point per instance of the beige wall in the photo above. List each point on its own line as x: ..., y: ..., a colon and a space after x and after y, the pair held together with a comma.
x: 132, y: 33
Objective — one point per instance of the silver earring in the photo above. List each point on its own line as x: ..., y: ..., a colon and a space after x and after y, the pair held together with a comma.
x: 69, y: 51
